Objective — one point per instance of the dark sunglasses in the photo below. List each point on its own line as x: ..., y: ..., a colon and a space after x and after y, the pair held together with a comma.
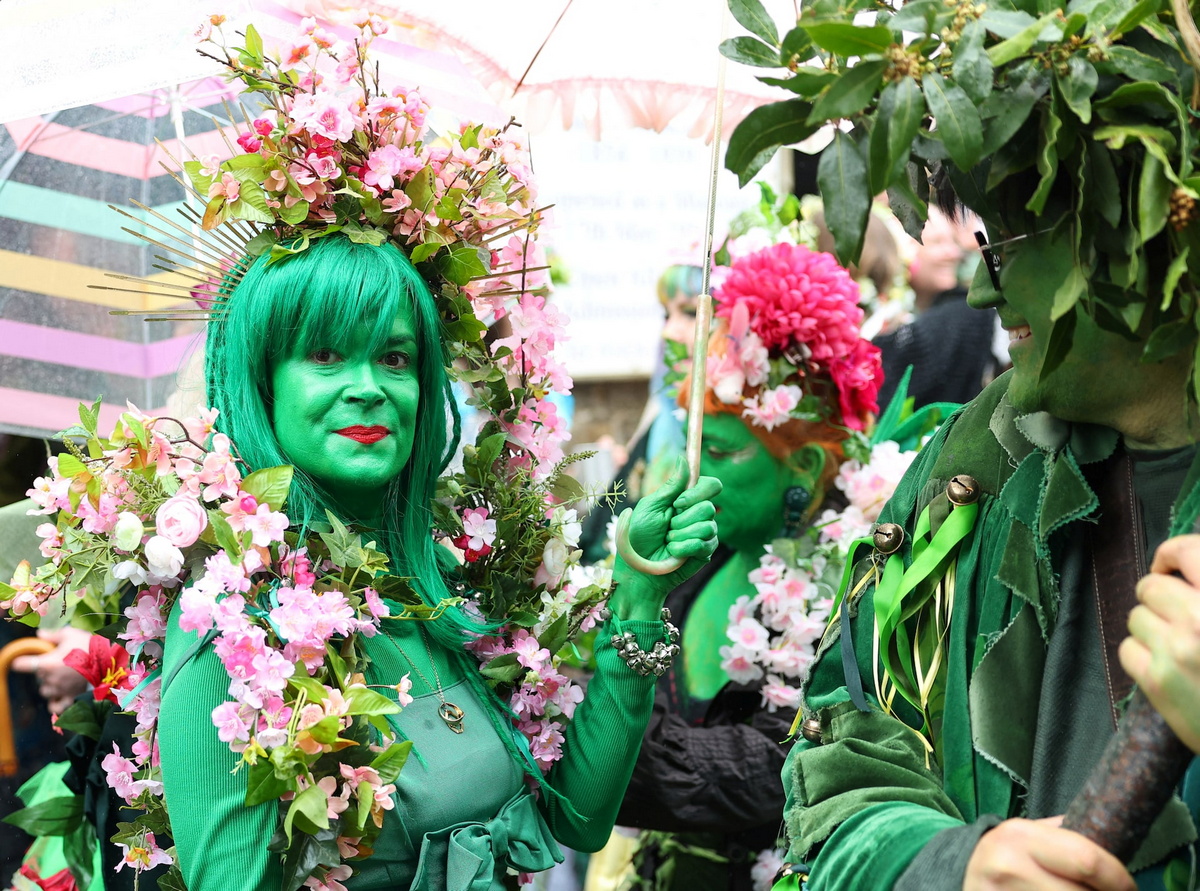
x: 991, y: 258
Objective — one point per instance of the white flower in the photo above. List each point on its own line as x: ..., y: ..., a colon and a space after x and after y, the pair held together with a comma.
x: 130, y: 571
x: 763, y: 872
x: 127, y: 533
x: 163, y: 559
x: 739, y: 663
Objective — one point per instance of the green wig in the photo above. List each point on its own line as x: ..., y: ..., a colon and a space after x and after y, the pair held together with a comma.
x: 320, y: 297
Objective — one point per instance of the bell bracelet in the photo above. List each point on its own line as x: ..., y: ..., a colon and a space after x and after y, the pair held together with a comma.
x: 658, y: 660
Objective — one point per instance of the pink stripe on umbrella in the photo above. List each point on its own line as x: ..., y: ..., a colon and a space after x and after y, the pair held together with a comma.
x: 22, y: 408
x: 92, y: 352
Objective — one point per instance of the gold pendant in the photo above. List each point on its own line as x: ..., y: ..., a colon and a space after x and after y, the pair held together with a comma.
x: 452, y: 715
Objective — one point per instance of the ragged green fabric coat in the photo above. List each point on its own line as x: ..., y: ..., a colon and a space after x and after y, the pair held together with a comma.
x: 866, y: 799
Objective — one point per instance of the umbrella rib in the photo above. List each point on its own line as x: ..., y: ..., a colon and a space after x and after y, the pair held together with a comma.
x: 553, y: 28
x: 199, y: 247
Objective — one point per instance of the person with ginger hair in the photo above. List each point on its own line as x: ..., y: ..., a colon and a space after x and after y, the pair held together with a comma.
x: 789, y: 378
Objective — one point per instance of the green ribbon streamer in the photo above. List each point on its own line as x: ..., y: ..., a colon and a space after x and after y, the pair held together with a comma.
x: 931, y: 555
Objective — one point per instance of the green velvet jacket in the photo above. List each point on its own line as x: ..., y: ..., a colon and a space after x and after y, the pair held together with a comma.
x: 866, y: 799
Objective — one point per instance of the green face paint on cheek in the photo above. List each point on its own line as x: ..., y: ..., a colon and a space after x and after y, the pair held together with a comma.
x: 750, y: 506
x: 1100, y: 372
x: 347, y: 416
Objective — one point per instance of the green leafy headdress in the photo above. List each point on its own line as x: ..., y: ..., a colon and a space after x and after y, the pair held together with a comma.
x: 1036, y: 114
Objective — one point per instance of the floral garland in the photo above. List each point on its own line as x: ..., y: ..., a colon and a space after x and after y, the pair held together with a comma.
x: 162, y: 506
x: 774, y: 635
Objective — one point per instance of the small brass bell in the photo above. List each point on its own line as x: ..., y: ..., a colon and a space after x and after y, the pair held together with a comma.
x: 962, y: 490
x: 811, y: 730
x: 888, y: 537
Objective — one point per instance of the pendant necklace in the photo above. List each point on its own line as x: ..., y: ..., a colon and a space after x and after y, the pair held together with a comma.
x: 447, y: 711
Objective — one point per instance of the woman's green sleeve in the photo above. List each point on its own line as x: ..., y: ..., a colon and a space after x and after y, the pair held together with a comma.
x: 602, y: 742
x: 221, y: 844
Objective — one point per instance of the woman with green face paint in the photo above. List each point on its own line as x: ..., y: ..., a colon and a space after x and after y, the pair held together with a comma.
x: 332, y: 362
x: 788, y: 377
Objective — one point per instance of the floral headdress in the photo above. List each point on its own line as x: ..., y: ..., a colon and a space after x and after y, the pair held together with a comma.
x: 792, y: 347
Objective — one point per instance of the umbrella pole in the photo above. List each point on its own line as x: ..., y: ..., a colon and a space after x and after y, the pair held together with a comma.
x: 696, y: 395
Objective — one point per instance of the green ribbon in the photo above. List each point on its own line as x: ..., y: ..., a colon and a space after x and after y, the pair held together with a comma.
x: 894, y: 600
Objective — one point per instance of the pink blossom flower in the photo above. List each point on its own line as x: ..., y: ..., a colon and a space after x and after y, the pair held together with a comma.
x: 262, y: 127
x: 565, y: 699
x: 231, y: 724
x: 480, y: 530
x: 739, y: 663
x: 99, y: 518
x: 180, y: 521
x: 144, y: 856
x: 332, y: 880
x: 324, y: 114
x: 776, y: 693
x: 49, y: 493
x: 266, y: 526
x: 146, y: 622
x: 238, y: 509
x: 249, y: 142
x: 210, y: 165
x: 226, y: 187
x: 750, y: 634
x: 51, y: 539
x: 529, y: 652
x: 770, y: 408
x: 545, y: 743
x: 375, y: 606
x: 403, y: 691
x: 119, y: 772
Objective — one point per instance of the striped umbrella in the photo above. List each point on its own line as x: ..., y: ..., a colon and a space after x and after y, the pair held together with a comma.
x: 59, y: 169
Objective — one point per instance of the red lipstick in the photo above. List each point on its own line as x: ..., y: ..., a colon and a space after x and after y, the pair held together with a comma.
x: 365, y: 435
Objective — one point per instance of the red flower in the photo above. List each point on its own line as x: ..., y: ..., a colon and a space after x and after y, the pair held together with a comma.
x: 471, y: 554
x: 105, y: 666
x: 60, y: 881
x: 249, y: 143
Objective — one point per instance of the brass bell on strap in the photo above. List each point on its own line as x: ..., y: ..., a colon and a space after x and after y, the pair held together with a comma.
x: 888, y: 537
x: 962, y: 490
x: 811, y: 730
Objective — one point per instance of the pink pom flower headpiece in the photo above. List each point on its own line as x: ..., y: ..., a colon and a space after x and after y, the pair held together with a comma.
x: 793, y: 346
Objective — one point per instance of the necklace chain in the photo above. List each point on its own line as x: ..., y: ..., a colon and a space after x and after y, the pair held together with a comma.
x: 450, y: 713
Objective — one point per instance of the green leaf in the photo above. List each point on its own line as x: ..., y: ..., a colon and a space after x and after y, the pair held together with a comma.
x: 171, y: 881
x: 847, y: 39
x: 566, y: 488
x: 263, y: 242
x: 251, y: 161
x: 797, y: 46
x: 270, y: 485
x: 1169, y: 339
x: 1135, y: 17
x: 262, y: 784
x: 226, y: 539
x: 1047, y: 161
x: 907, y: 105
x: 360, y: 234
x: 69, y: 465
x: 753, y: 16
x: 423, y: 252
x: 1006, y: 110
x: 85, y: 717
x: 305, y: 854
x: 907, y: 206
x: 79, y: 849
x: 1060, y: 343
x: 254, y: 42
x: 748, y: 51
x: 972, y: 68
x: 1073, y: 287
x: 1078, y: 85
x: 1005, y: 23
x: 463, y: 263
x: 846, y: 191
x: 362, y: 701
x: 390, y: 762
x: 420, y: 189
x: 957, y: 120
x: 1105, y: 194
x: 1139, y: 66
x: 1174, y: 273
x: 923, y: 17
x: 488, y: 450
x: 54, y: 816
x: 295, y: 214
x: 307, y: 812
x: 850, y: 93
x: 762, y: 132
x: 1021, y: 42
x: 805, y: 81
x: 505, y: 669
x: 1154, y: 191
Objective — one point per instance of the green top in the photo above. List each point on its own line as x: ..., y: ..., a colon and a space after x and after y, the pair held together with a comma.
x: 866, y: 801
x: 464, y: 814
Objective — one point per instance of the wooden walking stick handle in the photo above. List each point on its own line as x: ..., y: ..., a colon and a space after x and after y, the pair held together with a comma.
x: 25, y: 646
